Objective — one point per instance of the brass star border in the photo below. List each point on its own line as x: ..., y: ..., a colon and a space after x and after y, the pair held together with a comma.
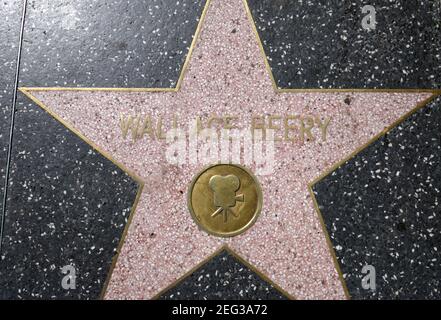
x: 27, y: 92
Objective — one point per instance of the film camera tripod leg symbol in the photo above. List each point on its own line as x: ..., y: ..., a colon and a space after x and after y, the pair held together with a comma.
x: 225, y: 198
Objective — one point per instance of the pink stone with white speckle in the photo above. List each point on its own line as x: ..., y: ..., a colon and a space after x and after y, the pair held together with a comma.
x: 227, y: 76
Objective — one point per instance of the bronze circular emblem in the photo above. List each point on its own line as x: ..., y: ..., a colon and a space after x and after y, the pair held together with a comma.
x: 225, y: 199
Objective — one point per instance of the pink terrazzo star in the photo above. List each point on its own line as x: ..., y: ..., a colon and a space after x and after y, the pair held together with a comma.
x: 227, y: 75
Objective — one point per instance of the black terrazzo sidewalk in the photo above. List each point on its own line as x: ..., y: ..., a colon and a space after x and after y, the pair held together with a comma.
x: 223, y: 277
x: 10, y: 11
x: 382, y: 208
x: 322, y: 44
x: 67, y: 205
x: 94, y: 43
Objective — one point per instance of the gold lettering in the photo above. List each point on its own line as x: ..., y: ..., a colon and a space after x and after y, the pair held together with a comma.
x: 175, y: 121
x: 159, y: 130
x: 211, y: 120
x: 128, y: 124
x: 273, y: 126
x: 125, y: 124
x: 227, y: 122
x: 147, y: 128
x: 290, y: 127
x: 323, y: 126
x: 258, y: 123
x: 198, y: 124
x: 306, y: 128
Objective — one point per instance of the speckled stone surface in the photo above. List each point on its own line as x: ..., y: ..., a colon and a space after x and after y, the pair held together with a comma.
x: 10, y: 12
x: 322, y: 44
x: 67, y: 205
x: 223, y: 277
x: 93, y: 43
x: 382, y: 208
x: 227, y: 76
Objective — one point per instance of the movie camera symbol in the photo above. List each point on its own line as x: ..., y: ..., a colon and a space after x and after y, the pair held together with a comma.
x: 225, y: 198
